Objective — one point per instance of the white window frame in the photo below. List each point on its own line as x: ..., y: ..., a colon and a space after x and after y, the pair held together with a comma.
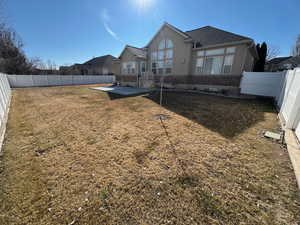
x: 163, y: 57
x: 129, y: 67
x: 219, y: 52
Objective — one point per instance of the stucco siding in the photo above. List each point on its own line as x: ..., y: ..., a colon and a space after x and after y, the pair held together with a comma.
x: 181, y: 50
x: 127, y: 56
x: 249, y: 63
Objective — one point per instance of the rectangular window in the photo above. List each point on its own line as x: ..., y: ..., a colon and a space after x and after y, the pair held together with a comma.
x: 219, y: 51
x: 169, y: 54
x: 160, y: 65
x: 213, y: 65
x: 200, y: 53
x: 143, y: 67
x: 154, y: 55
x: 132, y: 64
x: 169, y: 63
x: 128, y: 65
x: 153, y: 65
x: 169, y: 44
x: 215, y: 61
x: 168, y: 70
x: 199, y: 65
x: 228, y: 62
x: 160, y: 55
x: 230, y: 50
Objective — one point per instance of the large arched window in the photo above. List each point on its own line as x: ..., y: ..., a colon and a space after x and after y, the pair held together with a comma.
x: 162, y: 60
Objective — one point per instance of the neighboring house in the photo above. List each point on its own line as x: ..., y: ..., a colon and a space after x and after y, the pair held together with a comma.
x: 206, y: 59
x: 282, y: 63
x: 37, y: 71
x: 103, y: 65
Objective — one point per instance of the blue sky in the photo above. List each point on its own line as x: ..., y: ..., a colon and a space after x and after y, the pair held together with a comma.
x: 73, y: 31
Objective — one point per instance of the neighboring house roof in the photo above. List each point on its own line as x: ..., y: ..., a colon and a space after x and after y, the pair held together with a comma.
x: 283, y: 63
x: 138, y: 52
x: 278, y: 60
x: 286, y: 60
x: 100, y: 61
x: 293, y: 60
x: 208, y: 35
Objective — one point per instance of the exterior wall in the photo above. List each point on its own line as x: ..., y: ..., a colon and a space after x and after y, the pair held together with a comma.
x: 181, y: 50
x: 116, y: 67
x: 214, y: 83
x: 249, y: 62
x: 132, y: 78
x: 127, y: 56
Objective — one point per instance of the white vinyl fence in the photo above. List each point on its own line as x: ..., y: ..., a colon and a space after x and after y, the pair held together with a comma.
x: 5, y: 95
x: 18, y: 81
x: 290, y: 109
x: 263, y: 84
x: 284, y: 87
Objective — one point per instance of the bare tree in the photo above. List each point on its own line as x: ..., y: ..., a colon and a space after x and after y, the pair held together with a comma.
x: 272, y: 52
x: 51, y: 65
x: 12, y: 57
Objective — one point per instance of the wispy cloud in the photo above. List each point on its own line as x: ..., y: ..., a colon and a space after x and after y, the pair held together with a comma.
x: 105, y: 20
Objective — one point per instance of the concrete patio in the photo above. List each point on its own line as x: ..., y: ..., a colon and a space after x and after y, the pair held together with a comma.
x: 120, y: 90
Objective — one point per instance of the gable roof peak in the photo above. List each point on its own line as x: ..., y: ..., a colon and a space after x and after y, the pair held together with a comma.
x: 138, y: 52
x: 209, y: 35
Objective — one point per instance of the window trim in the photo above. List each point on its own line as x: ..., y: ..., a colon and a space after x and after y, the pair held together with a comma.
x: 164, y: 58
x: 129, y: 67
x: 204, y: 56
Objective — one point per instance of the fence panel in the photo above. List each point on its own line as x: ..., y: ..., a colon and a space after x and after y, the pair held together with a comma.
x: 289, y: 76
x: 297, y: 131
x: 56, y: 80
x: 263, y: 84
x: 66, y: 80
x: 40, y: 80
x: 5, y: 94
x: 291, y: 100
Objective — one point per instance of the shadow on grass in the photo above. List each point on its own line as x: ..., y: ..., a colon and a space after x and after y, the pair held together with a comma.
x: 113, y: 96
x: 226, y: 116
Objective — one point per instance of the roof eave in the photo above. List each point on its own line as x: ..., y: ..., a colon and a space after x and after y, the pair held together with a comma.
x: 225, y: 44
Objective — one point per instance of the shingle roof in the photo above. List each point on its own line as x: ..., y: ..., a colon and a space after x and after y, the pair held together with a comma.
x: 293, y: 60
x: 99, y: 61
x: 278, y: 60
x: 139, y: 52
x: 208, y: 35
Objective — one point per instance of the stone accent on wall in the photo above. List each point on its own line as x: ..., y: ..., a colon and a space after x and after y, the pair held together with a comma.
x: 215, y: 80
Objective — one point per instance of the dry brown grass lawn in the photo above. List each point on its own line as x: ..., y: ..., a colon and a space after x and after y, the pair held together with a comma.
x: 78, y: 156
